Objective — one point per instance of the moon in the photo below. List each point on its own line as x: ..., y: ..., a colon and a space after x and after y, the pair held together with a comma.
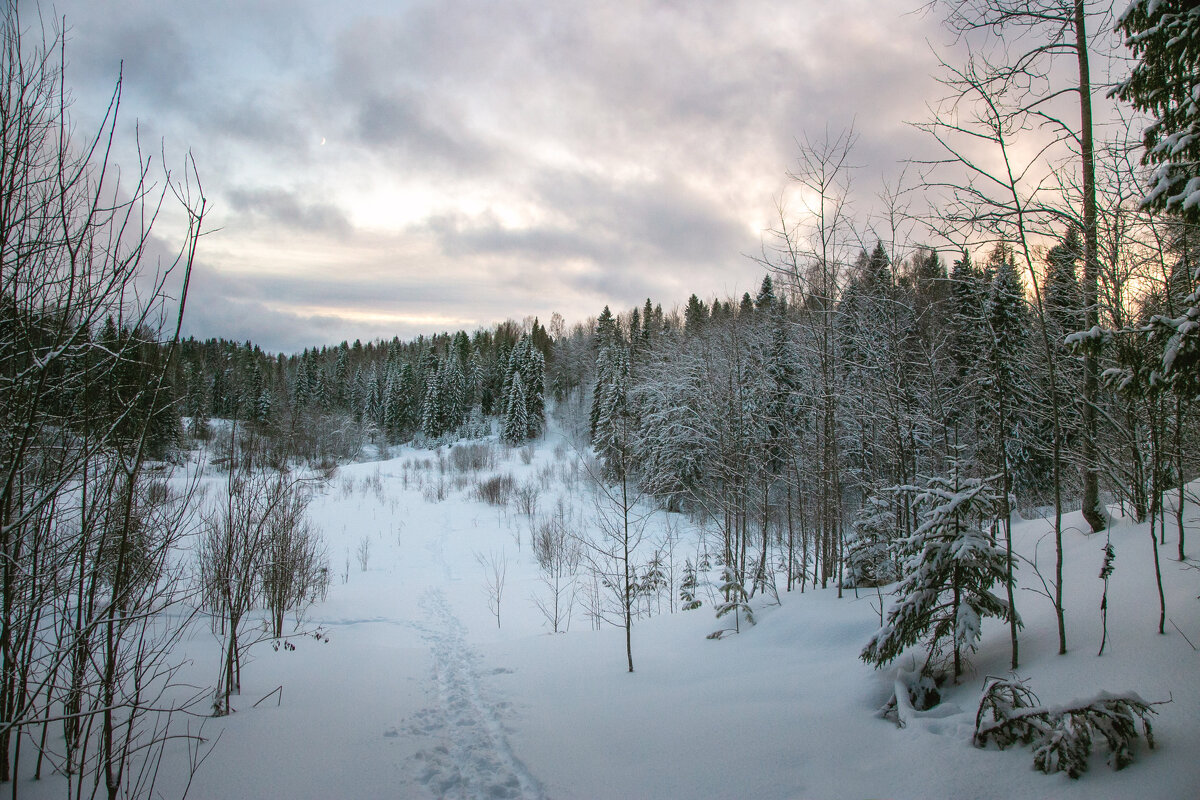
x: 322, y: 140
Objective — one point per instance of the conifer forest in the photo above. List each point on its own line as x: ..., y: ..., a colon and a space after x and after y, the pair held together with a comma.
x: 914, y: 515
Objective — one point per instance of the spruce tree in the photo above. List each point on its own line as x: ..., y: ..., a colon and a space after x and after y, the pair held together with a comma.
x: 766, y: 294
x: 1164, y: 36
x: 432, y: 412
x: 607, y: 338
x: 1063, y: 296
x: 1006, y: 320
x: 516, y: 416
x: 262, y: 407
x: 649, y: 328
x: 746, y: 307
x: 612, y: 437
x: 951, y: 565
x: 694, y: 316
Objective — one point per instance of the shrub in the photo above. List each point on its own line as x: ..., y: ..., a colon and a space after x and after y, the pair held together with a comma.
x: 1062, y: 736
x: 472, y: 457
x: 495, y: 490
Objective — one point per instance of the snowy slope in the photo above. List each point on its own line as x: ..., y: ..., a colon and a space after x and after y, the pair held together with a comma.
x: 411, y: 690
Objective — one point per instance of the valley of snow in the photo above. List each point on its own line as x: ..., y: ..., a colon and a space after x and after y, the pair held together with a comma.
x: 409, y: 688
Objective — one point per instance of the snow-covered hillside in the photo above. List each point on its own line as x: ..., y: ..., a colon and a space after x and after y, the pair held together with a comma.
x: 406, y: 687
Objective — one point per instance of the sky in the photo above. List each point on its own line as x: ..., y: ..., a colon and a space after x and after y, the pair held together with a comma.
x: 395, y: 168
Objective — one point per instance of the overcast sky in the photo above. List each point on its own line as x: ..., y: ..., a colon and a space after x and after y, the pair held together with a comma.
x: 395, y: 168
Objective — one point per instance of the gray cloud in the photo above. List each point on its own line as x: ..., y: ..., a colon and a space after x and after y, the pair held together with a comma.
x: 541, y: 156
x: 290, y: 210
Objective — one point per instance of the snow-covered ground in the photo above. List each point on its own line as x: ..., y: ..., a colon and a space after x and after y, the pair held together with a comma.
x: 411, y: 690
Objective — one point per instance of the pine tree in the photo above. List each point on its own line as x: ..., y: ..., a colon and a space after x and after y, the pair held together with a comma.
x: 452, y: 390
x: 341, y: 377
x: 606, y: 339
x: 1006, y: 319
x: 606, y: 330
x: 262, y: 407
x: 766, y: 294
x: 688, y: 587
x: 532, y: 367
x: 649, y: 326
x: 694, y: 316
x: 1063, y: 296
x: 196, y: 402
x: 1164, y: 36
x: 612, y: 437
x: 432, y: 412
x: 951, y: 567
x: 966, y: 297
x: 516, y: 416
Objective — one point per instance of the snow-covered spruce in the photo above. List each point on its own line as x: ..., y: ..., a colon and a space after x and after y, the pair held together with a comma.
x: 951, y: 565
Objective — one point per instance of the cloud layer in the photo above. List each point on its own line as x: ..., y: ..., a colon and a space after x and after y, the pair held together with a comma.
x: 397, y: 168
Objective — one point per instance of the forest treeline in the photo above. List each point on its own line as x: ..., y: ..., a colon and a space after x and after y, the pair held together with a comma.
x: 780, y: 414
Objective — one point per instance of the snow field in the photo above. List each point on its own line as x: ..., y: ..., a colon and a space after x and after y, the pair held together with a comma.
x: 416, y: 693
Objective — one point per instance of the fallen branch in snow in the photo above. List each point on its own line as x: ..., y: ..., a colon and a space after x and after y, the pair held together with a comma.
x: 1181, y: 633
x: 278, y: 690
x: 1062, y: 736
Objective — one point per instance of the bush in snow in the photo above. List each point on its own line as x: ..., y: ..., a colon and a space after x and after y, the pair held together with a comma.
x: 1062, y: 736
x: 472, y: 457
x: 557, y: 551
x: 496, y: 490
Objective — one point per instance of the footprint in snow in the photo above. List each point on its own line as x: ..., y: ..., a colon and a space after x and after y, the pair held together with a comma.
x: 472, y: 758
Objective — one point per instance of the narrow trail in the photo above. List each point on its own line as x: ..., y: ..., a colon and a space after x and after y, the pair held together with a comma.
x: 472, y: 757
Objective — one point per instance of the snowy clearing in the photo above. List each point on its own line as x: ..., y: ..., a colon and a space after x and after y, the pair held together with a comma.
x: 409, y: 689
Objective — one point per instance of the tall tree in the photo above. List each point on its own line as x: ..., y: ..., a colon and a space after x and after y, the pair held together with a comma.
x: 1006, y: 320
x: 1053, y: 28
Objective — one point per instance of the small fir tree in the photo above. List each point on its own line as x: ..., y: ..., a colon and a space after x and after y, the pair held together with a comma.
x: 952, y: 565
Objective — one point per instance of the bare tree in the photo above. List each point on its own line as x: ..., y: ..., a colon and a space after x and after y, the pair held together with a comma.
x: 88, y: 330
x: 1051, y: 30
x: 362, y: 552
x: 295, y: 569
x: 809, y: 256
x: 495, y: 571
x: 261, y: 512
x: 556, y: 548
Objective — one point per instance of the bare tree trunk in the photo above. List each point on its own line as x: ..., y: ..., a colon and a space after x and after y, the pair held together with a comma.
x: 1179, y: 412
x: 791, y: 540
x: 1091, y: 277
x: 628, y: 577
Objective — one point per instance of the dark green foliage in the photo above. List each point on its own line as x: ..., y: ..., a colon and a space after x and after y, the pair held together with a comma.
x: 524, y: 409
x: 516, y: 413
x: 966, y: 319
x: 1062, y: 736
x: 1164, y: 36
x: 386, y: 389
x: 613, y: 412
x: 695, y: 315
x: 950, y: 568
x: 747, y: 304
x: 1063, y: 296
x: 766, y: 294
